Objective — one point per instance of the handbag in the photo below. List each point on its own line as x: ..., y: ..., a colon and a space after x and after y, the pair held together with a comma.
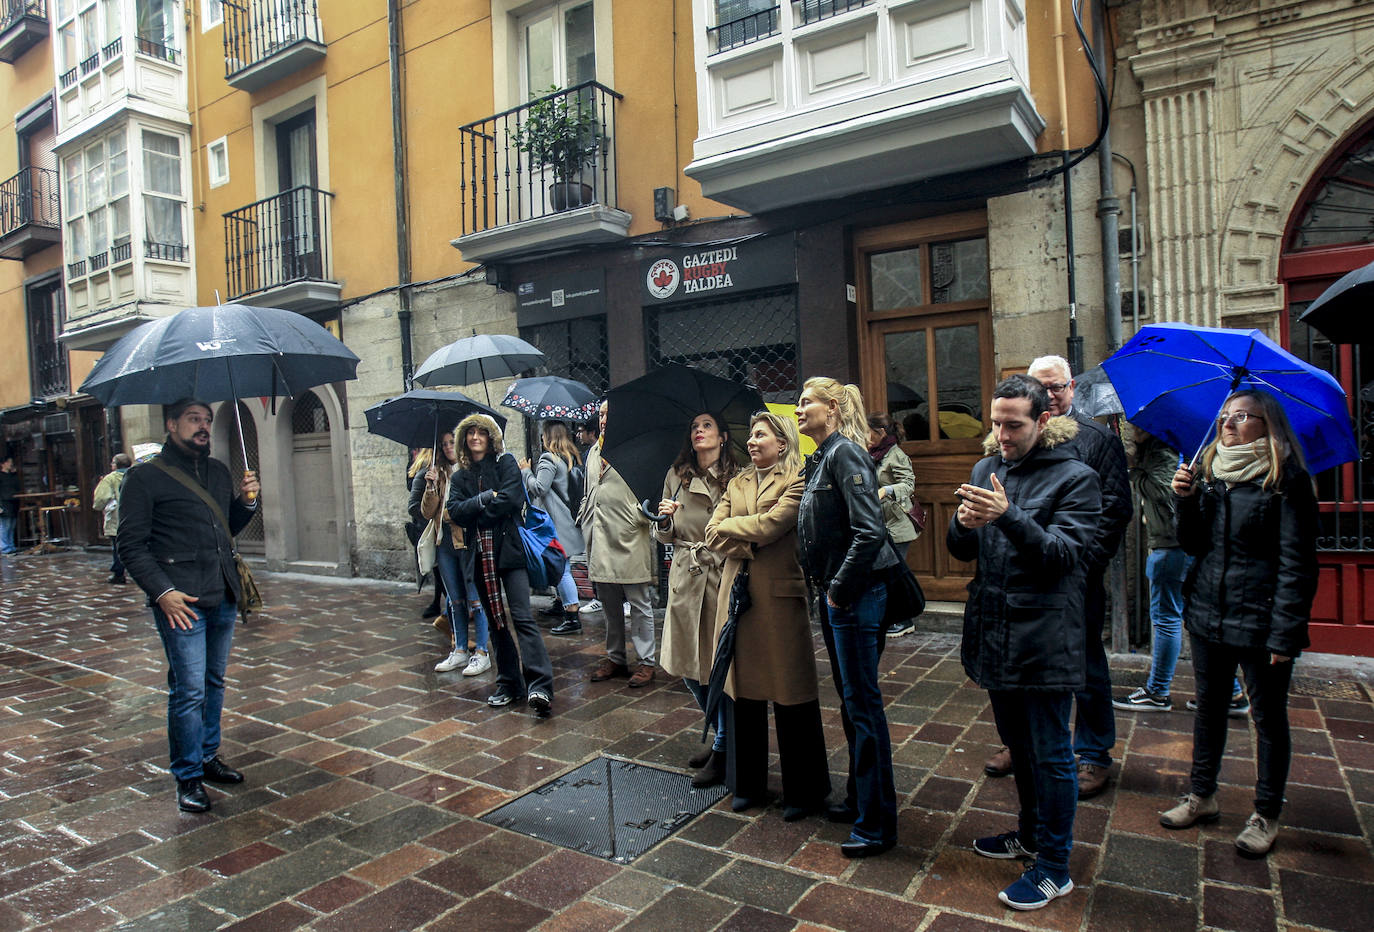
x: 250, y: 596
x: 905, y: 597
x: 545, y: 558
x: 427, y: 548
x: 917, y: 514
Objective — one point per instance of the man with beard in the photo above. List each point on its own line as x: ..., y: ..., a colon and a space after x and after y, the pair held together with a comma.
x: 175, y: 545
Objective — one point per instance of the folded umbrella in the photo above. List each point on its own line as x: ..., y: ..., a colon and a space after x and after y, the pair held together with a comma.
x: 1342, y: 312
x: 1093, y: 394
x: 740, y: 602
x: 647, y: 420
x: 477, y: 358
x: 551, y: 398
x: 1173, y: 380
x: 418, y: 417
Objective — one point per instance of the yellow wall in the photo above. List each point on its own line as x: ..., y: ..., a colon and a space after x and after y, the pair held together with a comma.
x: 27, y: 80
x: 1080, y: 96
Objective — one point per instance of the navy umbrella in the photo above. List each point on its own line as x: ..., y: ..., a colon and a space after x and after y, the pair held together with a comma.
x: 219, y: 353
x: 416, y: 418
x: 550, y: 398
x: 477, y: 358
x: 1342, y: 312
x: 740, y: 602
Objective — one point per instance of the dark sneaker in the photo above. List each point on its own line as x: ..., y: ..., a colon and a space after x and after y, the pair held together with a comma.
x: 1092, y: 779
x: 502, y: 698
x: 1003, y: 847
x: 1035, y: 889
x: 541, y: 704
x: 1142, y: 700
x: 191, y: 796
x: 1240, y: 706
x: 898, y: 628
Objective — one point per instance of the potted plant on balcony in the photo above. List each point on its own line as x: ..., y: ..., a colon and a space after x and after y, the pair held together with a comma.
x: 560, y: 132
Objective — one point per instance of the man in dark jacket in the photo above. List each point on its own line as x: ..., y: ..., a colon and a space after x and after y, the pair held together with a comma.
x: 9, y: 504
x: 1028, y: 515
x: 179, y: 552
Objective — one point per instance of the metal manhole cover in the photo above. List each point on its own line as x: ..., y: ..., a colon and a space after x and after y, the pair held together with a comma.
x: 1325, y: 689
x: 609, y: 808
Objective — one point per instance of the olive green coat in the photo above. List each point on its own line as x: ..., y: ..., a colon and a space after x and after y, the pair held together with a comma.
x: 619, y: 548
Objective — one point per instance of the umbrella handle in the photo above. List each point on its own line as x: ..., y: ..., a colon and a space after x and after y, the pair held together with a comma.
x: 238, y: 422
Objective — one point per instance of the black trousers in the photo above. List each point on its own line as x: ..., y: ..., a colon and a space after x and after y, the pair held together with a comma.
x: 1214, y: 668
x: 528, y: 667
x: 801, y: 751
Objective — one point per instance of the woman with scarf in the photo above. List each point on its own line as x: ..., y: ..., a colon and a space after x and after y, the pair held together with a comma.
x: 1248, y: 517
x: 896, y: 485
x: 691, y: 489
x: 485, y: 497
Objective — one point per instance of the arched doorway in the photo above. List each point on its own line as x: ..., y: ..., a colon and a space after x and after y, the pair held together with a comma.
x: 225, y: 444
x: 1331, y: 232
x: 312, y: 479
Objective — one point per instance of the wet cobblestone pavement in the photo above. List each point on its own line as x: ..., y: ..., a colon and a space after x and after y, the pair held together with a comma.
x: 367, y: 772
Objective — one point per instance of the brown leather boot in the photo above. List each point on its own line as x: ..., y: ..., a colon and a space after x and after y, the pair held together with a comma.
x: 712, y: 772
x: 999, y: 764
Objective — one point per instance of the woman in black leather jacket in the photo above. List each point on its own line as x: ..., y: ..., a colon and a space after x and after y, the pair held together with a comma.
x: 1251, y: 525
x: 485, y: 495
x: 844, y: 549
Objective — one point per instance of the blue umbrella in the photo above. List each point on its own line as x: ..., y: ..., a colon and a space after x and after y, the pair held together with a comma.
x: 1173, y: 379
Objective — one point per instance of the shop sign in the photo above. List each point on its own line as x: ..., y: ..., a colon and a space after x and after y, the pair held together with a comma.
x: 696, y: 272
x: 579, y: 293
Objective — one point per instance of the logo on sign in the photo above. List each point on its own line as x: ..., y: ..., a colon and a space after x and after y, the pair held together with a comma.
x: 206, y: 346
x: 663, y: 278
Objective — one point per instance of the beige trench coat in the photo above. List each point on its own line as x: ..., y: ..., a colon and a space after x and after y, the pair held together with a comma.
x: 619, y: 548
x: 689, y: 642
x: 757, y: 523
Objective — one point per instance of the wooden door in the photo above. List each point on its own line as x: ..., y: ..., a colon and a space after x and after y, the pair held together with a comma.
x: 926, y: 359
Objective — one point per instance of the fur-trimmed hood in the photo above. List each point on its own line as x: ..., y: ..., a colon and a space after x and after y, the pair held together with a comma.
x: 498, y: 445
x: 1061, y: 428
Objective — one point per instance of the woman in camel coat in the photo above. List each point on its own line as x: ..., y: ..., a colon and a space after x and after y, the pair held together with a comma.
x: 755, y: 528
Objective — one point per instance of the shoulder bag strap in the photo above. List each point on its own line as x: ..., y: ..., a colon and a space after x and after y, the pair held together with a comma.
x: 204, y: 496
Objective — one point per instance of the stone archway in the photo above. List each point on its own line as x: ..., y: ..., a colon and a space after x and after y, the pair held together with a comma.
x: 310, y: 439
x: 224, y: 439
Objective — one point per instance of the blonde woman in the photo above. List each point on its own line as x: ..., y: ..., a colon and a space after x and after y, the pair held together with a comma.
x: 844, y: 550
x: 755, y: 529
x: 547, y: 485
x: 691, y: 489
x: 1248, y: 518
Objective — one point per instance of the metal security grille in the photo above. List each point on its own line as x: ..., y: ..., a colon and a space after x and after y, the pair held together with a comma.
x: 573, y: 349
x: 751, y: 339
x: 250, y: 539
x: 309, y: 416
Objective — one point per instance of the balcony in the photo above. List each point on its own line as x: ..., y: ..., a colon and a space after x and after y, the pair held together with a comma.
x: 818, y: 99
x: 266, y: 40
x: 541, y: 177
x: 276, y: 251
x: 23, y: 24
x: 30, y: 214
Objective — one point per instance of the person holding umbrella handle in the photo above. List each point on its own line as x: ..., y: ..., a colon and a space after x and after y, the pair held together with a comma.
x: 1248, y: 517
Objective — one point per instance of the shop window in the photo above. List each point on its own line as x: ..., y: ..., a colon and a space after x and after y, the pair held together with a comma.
x: 573, y: 349
x: 750, y: 339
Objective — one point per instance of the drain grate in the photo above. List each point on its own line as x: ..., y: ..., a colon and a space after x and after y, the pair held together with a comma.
x: 609, y: 808
x: 1315, y: 688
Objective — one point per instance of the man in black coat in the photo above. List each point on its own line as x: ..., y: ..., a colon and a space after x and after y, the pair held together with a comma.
x: 180, y: 553
x: 1096, y: 446
x: 1028, y: 515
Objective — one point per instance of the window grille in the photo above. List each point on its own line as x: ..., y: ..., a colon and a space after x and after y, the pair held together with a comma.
x: 573, y: 349
x: 251, y: 538
x: 309, y: 416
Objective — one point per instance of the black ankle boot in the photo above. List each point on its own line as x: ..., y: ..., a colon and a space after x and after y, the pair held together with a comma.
x: 571, y: 624
x: 712, y: 772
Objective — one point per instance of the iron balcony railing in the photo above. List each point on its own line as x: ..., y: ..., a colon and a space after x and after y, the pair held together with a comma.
x: 749, y: 28
x: 15, y: 10
x: 807, y: 12
x: 30, y: 197
x: 555, y: 153
x: 257, y: 29
x: 278, y: 240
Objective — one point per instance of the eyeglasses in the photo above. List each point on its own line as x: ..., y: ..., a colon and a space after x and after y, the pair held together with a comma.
x: 1238, y: 419
x: 1055, y: 388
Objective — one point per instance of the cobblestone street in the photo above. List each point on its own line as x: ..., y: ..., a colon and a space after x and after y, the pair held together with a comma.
x: 367, y: 773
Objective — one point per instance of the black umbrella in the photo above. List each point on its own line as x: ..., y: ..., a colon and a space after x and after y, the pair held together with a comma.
x: 219, y: 353
x: 647, y: 420
x: 478, y: 358
x: 416, y: 418
x: 550, y: 398
x: 740, y: 603
x: 1342, y: 312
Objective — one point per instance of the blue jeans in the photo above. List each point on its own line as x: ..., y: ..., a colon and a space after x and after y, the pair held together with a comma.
x: 854, y: 637
x: 7, y: 526
x: 450, y: 563
x: 196, y: 660
x: 567, y: 587
x: 1094, y: 730
x: 1035, y: 726
x: 1165, y: 568
x: 699, y: 691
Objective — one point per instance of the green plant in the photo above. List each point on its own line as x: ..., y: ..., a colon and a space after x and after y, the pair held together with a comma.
x: 559, y: 132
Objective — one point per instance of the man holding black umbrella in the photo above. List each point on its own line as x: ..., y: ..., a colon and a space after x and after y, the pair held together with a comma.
x: 174, y: 541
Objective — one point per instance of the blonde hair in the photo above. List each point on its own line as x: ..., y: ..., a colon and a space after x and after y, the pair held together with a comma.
x: 1282, y: 442
x: 558, y: 441
x: 421, y: 462
x: 848, y: 400
x: 785, y: 429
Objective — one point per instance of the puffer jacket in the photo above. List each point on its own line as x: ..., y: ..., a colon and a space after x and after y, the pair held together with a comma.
x: 488, y: 494
x: 840, y: 530
x: 1023, y: 622
x: 1102, y: 451
x: 1255, y: 572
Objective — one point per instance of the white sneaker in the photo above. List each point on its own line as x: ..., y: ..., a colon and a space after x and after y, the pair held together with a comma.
x: 452, y: 662
x: 593, y: 606
x: 479, y: 664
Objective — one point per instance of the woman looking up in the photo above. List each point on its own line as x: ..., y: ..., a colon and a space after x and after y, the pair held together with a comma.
x: 844, y: 550
x: 691, y: 489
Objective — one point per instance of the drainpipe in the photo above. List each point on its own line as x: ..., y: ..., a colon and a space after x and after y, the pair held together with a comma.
x: 1108, y: 204
x: 1075, y: 342
x: 398, y: 164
